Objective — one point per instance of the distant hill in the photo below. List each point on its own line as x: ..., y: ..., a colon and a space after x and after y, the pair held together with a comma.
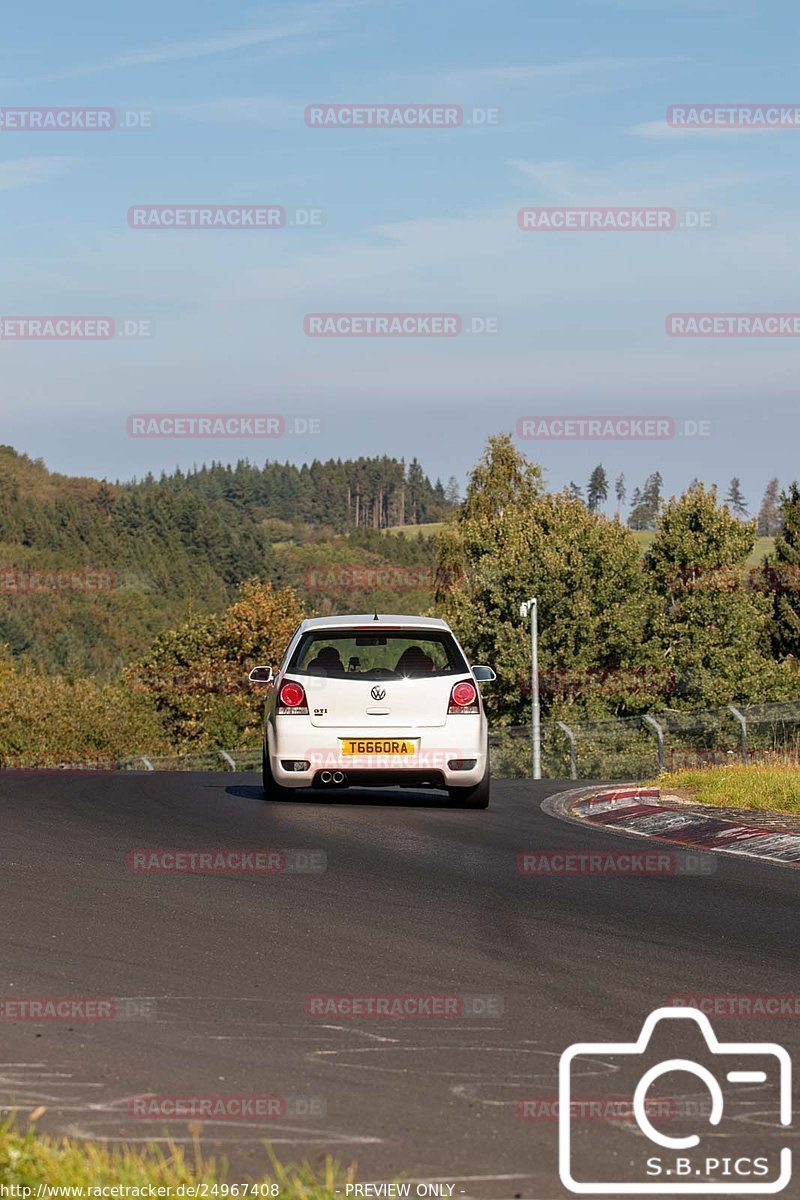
x: 183, y: 543
x: 761, y: 547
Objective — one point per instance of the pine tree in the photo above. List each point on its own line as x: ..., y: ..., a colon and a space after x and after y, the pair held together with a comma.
x: 597, y: 489
x: 575, y: 491
x: 735, y: 500
x: 452, y: 492
x: 415, y: 487
x: 645, y: 503
x: 769, y: 521
x: 619, y: 491
x: 783, y: 569
x: 652, y: 490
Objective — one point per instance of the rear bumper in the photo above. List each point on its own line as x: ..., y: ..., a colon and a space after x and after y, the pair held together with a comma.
x: 450, y: 755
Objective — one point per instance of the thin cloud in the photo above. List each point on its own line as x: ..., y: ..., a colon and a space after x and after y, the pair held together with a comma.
x: 633, y: 183
x: 22, y: 172
x: 568, y: 70
x: 317, y: 19
x: 713, y: 6
x: 253, y: 110
x: 660, y: 129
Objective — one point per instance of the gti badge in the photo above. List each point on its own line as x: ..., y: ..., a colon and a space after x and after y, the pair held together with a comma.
x: 378, y: 693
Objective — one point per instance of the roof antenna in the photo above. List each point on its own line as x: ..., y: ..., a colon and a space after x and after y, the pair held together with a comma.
x: 376, y: 617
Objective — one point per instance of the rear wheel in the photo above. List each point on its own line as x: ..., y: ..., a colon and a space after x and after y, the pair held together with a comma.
x: 272, y: 790
x: 476, y: 796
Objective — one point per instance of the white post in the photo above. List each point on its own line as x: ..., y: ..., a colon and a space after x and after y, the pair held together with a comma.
x: 740, y: 717
x: 573, y: 758
x: 648, y: 720
x: 531, y: 606
x: 535, y: 722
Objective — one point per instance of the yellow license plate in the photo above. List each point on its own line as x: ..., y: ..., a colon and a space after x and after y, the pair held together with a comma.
x: 402, y: 747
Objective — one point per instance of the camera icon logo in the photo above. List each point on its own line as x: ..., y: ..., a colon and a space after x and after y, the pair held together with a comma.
x: 733, y: 1162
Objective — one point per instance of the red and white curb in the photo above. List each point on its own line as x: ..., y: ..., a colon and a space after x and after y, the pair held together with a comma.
x: 642, y: 811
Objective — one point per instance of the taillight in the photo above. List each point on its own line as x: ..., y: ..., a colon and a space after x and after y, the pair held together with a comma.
x: 292, y: 700
x: 464, y: 698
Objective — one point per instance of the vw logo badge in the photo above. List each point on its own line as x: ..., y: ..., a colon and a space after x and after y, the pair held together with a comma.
x: 378, y: 693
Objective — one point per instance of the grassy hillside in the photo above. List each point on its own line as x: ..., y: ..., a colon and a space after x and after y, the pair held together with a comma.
x: 763, y: 545
x: 182, y: 544
x: 428, y: 529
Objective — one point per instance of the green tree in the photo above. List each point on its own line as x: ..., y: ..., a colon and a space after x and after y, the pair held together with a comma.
x: 511, y: 541
x: 769, y: 520
x: 452, y: 493
x: 597, y: 491
x: 710, y: 627
x: 619, y: 490
x: 735, y: 500
x: 197, y: 674
x: 646, y: 503
x: 783, y: 570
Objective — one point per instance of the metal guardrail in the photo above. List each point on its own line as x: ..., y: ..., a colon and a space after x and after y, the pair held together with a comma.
x: 613, y: 748
x: 641, y: 746
x: 205, y: 760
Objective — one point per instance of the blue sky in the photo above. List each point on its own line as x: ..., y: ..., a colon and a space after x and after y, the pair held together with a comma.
x: 414, y: 221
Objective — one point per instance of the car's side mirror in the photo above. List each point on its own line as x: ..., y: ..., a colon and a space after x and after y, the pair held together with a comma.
x: 261, y: 675
x: 483, y: 674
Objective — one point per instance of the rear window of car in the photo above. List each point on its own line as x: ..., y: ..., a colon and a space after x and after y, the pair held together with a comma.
x: 385, y: 654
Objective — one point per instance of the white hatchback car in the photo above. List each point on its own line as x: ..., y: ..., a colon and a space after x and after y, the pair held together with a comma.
x: 375, y: 701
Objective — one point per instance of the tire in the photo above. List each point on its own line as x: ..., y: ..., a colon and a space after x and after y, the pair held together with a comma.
x: 272, y: 791
x: 476, y: 796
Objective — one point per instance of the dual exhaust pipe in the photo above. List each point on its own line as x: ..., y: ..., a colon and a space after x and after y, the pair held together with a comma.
x: 332, y: 777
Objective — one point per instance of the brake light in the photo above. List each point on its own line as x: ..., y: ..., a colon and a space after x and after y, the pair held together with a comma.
x: 463, y: 698
x: 292, y: 699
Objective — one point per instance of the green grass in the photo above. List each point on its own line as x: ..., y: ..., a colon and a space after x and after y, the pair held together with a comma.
x: 413, y: 531
x: 28, y: 1159
x: 763, y: 545
x: 755, y: 786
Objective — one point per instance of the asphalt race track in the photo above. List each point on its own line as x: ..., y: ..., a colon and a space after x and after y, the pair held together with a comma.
x: 211, y: 972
